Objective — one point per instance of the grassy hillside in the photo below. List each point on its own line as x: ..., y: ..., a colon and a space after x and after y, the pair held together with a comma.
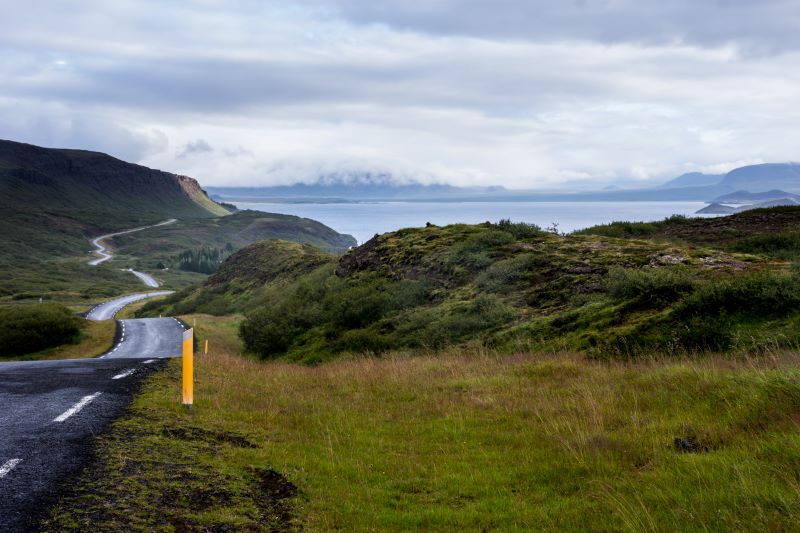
x: 509, y: 287
x: 52, y: 201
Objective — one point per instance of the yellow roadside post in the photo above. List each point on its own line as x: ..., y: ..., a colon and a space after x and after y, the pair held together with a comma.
x: 205, y: 352
x: 188, y: 368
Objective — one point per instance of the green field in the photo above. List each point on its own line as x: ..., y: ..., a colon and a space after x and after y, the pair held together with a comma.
x: 451, y: 442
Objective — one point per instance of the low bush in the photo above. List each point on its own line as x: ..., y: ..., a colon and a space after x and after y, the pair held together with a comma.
x: 30, y: 328
x: 651, y: 287
x: 520, y: 230
x: 502, y: 275
x: 340, y: 307
x: 783, y: 245
x: 759, y: 295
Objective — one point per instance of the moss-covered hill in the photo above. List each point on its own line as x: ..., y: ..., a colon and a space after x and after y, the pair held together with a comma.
x: 506, y: 286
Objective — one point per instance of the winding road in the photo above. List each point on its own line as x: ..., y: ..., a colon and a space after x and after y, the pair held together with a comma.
x: 50, y: 411
x: 104, y: 253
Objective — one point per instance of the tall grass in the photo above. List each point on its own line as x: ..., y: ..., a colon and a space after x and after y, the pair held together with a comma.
x: 471, y: 441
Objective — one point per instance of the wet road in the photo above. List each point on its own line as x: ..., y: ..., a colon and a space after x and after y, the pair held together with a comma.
x: 51, y: 410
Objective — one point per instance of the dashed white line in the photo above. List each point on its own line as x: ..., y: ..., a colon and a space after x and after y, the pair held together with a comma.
x: 148, y: 361
x: 8, y: 466
x: 77, y: 407
x: 125, y: 374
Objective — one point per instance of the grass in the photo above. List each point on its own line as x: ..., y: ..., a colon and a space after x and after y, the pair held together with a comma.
x: 457, y: 441
x: 96, y: 338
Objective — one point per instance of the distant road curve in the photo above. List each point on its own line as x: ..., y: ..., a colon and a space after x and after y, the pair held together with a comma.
x: 102, y: 250
x: 147, y: 279
x: 107, y: 310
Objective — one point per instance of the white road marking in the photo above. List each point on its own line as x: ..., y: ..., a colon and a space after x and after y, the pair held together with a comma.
x: 125, y: 374
x: 148, y: 361
x: 8, y: 466
x: 77, y: 407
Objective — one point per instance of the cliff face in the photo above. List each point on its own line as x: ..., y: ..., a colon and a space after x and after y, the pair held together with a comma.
x: 95, y: 189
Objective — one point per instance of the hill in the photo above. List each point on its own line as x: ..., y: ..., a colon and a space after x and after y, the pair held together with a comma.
x: 165, y: 249
x: 54, y: 200
x: 757, y: 178
x: 746, y: 197
x: 76, y: 193
x: 512, y: 286
x: 692, y: 179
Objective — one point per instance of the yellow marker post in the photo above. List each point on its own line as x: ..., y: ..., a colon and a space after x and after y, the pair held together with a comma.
x: 188, y: 367
x: 205, y: 352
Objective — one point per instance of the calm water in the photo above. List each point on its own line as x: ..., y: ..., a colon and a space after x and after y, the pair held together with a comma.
x: 364, y: 220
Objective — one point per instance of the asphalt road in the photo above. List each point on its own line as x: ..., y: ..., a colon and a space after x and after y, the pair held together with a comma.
x: 148, y: 337
x: 101, y: 248
x: 109, y: 309
x: 50, y: 411
x: 147, y: 279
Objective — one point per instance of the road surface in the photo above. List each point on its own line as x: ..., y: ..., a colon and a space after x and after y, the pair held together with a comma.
x: 147, y: 279
x: 102, y: 250
x: 109, y: 309
x: 51, y: 410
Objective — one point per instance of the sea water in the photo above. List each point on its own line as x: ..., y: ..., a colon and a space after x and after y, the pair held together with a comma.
x: 363, y: 220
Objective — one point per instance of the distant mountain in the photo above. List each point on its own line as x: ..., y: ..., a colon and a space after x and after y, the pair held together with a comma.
x: 757, y: 178
x: 747, y: 197
x: 352, y: 187
x: 692, y: 179
x: 716, y: 209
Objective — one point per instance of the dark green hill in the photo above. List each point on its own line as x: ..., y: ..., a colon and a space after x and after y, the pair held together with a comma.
x: 504, y: 286
x: 53, y: 201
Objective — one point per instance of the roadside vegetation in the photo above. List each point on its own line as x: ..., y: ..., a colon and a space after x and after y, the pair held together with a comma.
x: 30, y: 328
x: 51, y: 331
x: 458, y: 440
x: 511, y: 287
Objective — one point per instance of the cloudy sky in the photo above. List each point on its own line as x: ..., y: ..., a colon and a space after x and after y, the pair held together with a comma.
x: 524, y: 93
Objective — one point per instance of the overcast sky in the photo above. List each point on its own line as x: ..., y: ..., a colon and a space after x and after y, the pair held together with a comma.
x: 523, y: 93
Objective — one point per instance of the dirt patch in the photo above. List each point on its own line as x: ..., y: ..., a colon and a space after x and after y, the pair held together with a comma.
x: 277, y: 492
x: 192, y: 433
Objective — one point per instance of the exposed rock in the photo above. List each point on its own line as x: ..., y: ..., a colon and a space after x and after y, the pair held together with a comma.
x: 667, y: 258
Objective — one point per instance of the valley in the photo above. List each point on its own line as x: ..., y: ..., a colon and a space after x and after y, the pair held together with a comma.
x: 440, y: 377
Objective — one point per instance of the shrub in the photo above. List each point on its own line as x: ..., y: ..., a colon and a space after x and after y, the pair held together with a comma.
x: 651, y: 287
x: 269, y: 331
x: 520, y: 230
x: 502, y: 275
x: 760, y: 295
x: 784, y: 245
x: 30, y: 328
x: 437, y: 328
x: 338, y: 306
x: 472, y: 254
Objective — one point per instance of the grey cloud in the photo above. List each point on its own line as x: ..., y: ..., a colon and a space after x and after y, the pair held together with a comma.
x: 191, y: 148
x: 54, y: 125
x: 763, y: 26
x: 239, y: 151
